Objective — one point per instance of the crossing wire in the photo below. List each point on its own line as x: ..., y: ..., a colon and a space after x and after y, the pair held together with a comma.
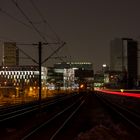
x: 43, y: 19
x: 19, y: 21
x: 31, y: 27
x: 28, y: 19
x: 14, y: 18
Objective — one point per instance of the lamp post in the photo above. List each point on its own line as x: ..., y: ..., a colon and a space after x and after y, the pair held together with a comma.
x: 104, y: 66
x: 39, y: 56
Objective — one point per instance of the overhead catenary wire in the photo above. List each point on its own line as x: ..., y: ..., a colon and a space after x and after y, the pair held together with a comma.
x: 34, y: 27
x: 14, y: 18
x: 43, y: 19
x: 31, y: 23
x: 9, y: 40
x: 5, y: 39
x: 53, y: 53
x: 28, y: 19
x: 28, y: 56
x: 19, y: 21
x: 31, y: 27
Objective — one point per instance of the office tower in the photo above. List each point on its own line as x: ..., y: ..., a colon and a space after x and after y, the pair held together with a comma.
x: 124, y: 57
x: 10, y: 54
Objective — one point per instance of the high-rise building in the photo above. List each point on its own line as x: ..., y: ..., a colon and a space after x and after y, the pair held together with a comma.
x: 10, y: 54
x: 124, y: 56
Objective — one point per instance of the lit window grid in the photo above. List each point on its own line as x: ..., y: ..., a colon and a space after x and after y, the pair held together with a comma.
x: 17, y: 77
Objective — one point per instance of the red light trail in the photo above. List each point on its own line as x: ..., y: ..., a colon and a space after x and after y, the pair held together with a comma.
x: 128, y: 94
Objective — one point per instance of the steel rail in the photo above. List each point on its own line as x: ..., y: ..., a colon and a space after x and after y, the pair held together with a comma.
x: 124, y: 112
x: 66, y: 121
x: 23, y: 111
x: 44, y: 124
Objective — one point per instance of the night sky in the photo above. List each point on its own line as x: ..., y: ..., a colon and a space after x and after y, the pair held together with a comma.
x: 87, y: 26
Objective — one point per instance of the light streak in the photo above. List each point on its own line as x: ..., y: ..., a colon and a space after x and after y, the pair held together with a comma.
x: 128, y: 94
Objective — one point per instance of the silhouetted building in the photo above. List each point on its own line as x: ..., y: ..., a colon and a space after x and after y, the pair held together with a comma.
x: 10, y: 54
x: 123, y: 57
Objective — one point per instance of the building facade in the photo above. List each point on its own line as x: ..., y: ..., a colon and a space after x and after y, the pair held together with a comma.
x: 68, y: 73
x: 22, y: 78
x: 10, y: 54
x: 84, y: 65
x: 124, y: 57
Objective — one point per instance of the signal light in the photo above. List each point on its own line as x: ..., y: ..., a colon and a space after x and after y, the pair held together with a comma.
x: 81, y: 86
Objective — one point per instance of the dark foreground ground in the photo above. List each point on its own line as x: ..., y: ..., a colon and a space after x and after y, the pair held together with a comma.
x: 94, y: 122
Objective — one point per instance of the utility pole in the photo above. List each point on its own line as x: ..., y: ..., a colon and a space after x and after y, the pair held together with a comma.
x: 122, y: 57
x: 39, y: 62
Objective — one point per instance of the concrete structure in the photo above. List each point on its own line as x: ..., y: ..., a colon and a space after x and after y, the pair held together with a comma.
x: 10, y: 54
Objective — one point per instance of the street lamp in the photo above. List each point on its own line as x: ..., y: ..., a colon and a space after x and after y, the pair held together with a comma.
x: 104, y: 65
x: 104, y: 69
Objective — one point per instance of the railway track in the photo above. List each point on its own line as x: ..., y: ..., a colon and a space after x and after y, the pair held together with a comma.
x: 50, y: 129
x: 68, y: 119
x: 24, y: 119
x: 12, y: 112
x: 128, y: 115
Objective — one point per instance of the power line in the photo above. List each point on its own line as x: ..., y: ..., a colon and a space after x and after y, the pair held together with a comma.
x: 28, y: 56
x: 43, y: 19
x: 28, y: 19
x: 36, y: 29
x: 14, y: 18
x: 4, y: 39
x: 19, y: 21
x: 53, y: 53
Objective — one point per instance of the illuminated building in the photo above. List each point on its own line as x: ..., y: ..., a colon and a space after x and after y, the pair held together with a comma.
x: 84, y: 65
x: 66, y: 72
x: 22, y: 77
x: 10, y: 54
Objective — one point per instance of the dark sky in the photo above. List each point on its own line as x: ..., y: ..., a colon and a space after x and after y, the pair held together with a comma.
x: 87, y: 26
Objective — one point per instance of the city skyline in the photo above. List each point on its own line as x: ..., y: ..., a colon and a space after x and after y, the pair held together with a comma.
x: 87, y: 27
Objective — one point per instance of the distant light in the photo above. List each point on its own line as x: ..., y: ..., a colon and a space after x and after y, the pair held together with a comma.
x: 104, y: 65
x: 75, y: 68
x: 121, y: 90
x: 81, y: 86
x: 111, y: 76
x: 31, y: 89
